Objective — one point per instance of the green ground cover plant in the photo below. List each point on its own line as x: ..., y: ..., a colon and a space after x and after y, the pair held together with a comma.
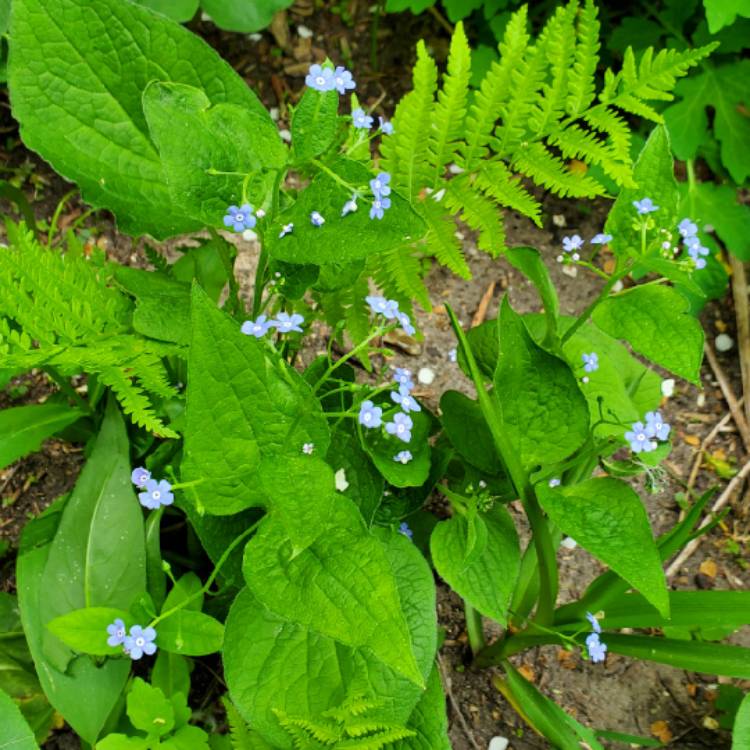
x: 303, y: 487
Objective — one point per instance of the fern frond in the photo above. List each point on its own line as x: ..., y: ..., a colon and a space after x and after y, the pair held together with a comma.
x: 405, y: 152
x: 450, y: 110
x: 479, y: 212
x: 581, y: 83
x: 610, y: 123
x: 495, y: 90
x: 496, y: 180
x: 239, y: 734
x: 547, y: 170
x: 398, y: 272
x: 441, y: 239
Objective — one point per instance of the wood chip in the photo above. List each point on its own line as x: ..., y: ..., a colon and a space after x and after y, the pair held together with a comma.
x: 708, y: 568
x: 484, y: 303
x: 661, y: 730
x: 527, y: 672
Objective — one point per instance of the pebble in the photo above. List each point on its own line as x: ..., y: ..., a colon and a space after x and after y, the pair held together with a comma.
x: 255, y: 36
x: 304, y: 32
x: 499, y: 743
x: 559, y: 220
x: 285, y: 135
x: 248, y: 235
x: 426, y: 375
x: 339, y: 479
x: 569, y: 543
x: 724, y: 342
x: 667, y: 387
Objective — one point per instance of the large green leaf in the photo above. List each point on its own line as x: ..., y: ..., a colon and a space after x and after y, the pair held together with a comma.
x: 24, y: 428
x: 741, y: 729
x: 273, y: 662
x: 190, y: 633
x: 177, y: 10
x: 541, y: 406
x: 85, y: 630
x: 485, y: 580
x: 243, y: 15
x: 655, y: 320
x: 206, y: 149
x: 607, y: 518
x: 15, y: 733
x: 342, y: 238
x: 98, y: 556
x: 341, y: 586
x: 86, y: 694
x: 314, y: 123
x: 428, y: 720
x: 83, y: 66
x: 245, y: 407
x: 654, y: 177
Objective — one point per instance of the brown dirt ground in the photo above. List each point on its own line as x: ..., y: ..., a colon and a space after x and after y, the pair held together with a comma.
x: 622, y: 695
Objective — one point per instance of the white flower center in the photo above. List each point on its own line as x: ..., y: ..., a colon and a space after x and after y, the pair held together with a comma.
x: 140, y: 642
x: 320, y: 80
x: 640, y: 437
x: 239, y: 217
x: 156, y: 494
x: 400, y: 428
x: 367, y: 417
x: 120, y: 633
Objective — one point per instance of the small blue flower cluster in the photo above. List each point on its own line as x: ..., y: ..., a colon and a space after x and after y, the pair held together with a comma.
x: 597, y: 650
x: 283, y: 323
x: 590, y: 362
x: 405, y: 530
x: 642, y: 438
x: 571, y: 246
x: 155, y: 494
x: 371, y: 416
x: 689, y: 231
x: 645, y: 206
x: 389, y: 309
x: 380, y: 191
x: 139, y: 641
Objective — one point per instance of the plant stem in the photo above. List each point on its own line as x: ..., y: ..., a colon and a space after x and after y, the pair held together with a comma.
x: 68, y: 389
x: 341, y: 181
x: 474, y: 629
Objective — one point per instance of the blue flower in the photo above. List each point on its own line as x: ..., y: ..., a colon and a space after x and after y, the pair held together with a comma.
x: 639, y: 439
x: 308, y: 448
x: 597, y: 650
x: 350, y: 206
x: 379, y: 185
x: 405, y: 400
x: 400, y: 427
x: 377, y: 304
x: 571, y: 244
x: 601, y: 239
x: 379, y: 206
x: 554, y: 482
x: 645, y: 206
x: 403, y: 377
x: 655, y: 426
x: 257, y: 328
x: 370, y: 415
x: 591, y: 362
x: 156, y: 494
x: 403, y: 457
x: 342, y: 80
x: 695, y: 251
x: 320, y: 78
x: 139, y: 642
x: 117, y: 633
x: 285, y: 323
x: 286, y: 229
x: 240, y: 219
x: 391, y: 311
x: 405, y: 530
x: 316, y: 219
x: 688, y: 228
x: 140, y: 476
x: 385, y: 127
x: 361, y: 120
x: 595, y: 626
x: 405, y: 322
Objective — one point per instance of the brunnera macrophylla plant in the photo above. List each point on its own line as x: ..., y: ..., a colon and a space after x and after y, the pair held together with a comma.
x: 306, y: 487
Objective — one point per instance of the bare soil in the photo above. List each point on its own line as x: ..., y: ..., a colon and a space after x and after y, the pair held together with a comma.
x: 622, y: 694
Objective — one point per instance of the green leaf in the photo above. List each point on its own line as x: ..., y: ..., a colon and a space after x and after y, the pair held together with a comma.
x: 85, y: 630
x: 122, y: 742
x: 24, y: 428
x: 654, y: 177
x: 606, y: 517
x: 189, y: 633
x: 720, y: 13
x: 15, y: 733
x: 245, y: 407
x: 464, y: 424
x: 207, y: 265
x: 741, y: 729
x: 98, y: 556
x: 186, y: 589
x: 87, y: 693
x: 274, y: 663
x: 545, y: 716
x: 696, y: 656
x: 341, y: 586
x: 314, y: 123
x: 171, y: 673
x: 197, y: 140
x: 177, y: 10
x: 149, y: 709
x: 656, y: 322
x: 187, y: 738
x: 341, y: 239
x: 428, y: 719
x: 487, y: 580
x: 243, y: 16
x: 541, y: 407
x: 102, y: 58
x: 155, y: 576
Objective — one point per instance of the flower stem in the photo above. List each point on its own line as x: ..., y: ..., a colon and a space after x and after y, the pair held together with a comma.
x: 474, y: 629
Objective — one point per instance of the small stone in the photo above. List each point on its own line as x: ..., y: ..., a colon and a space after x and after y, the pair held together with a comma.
x: 559, y: 220
x: 255, y: 36
x: 667, y: 387
x: 618, y: 287
x: 248, y: 235
x: 339, y: 479
x: 700, y: 402
x: 426, y: 376
x: 499, y: 743
x: 274, y: 112
x: 285, y: 135
x: 571, y: 271
x: 710, y: 723
x: 455, y: 169
x: 304, y: 32
x: 724, y: 342
x: 569, y: 543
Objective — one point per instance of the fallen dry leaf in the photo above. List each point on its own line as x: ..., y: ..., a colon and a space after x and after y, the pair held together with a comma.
x: 527, y: 672
x: 693, y: 440
x: 661, y: 730
x: 708, y: 568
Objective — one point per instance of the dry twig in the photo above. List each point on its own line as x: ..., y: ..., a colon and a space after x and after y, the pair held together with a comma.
x: 456, y: 708
x: 718, y: 427
x: 729, y: 397
x: 484, y: 304
x: 742, y: 312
